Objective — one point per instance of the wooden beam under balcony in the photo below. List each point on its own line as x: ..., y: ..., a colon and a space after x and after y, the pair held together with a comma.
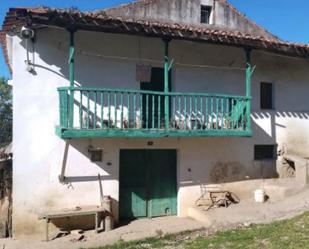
x: 133, y: 133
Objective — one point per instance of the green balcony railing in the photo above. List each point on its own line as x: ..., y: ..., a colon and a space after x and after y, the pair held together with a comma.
x: 119, y: 112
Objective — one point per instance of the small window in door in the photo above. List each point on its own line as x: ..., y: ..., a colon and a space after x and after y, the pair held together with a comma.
x: 267, y: 93
x: 205, y: 14
x: 265, y: 152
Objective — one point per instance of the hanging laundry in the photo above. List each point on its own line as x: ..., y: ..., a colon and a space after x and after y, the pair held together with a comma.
x: 143, y: 73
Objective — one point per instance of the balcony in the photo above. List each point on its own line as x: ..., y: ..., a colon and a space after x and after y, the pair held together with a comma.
x: 94, y: 112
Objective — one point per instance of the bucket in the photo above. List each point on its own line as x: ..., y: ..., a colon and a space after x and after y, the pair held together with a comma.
x: 259, y: 195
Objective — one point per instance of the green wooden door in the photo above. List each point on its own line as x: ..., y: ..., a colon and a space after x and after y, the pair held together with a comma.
x: 162, y: 183
x: 133, y: 193
x: 147, y: 183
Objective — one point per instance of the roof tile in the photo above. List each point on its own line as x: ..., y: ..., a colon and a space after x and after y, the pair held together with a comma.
x: 99, y: 21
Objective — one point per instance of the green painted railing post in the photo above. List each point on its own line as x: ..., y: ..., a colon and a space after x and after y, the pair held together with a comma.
x: 248, y: 87
x: 215, y: 110
x: 166, y: 83
x: 63, y: 100
x: 71, y: 77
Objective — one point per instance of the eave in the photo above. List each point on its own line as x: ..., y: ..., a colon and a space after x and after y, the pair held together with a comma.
x: 3, y: 43
x: 99, y: 22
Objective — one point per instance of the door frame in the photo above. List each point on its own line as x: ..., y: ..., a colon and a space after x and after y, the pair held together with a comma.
x: 151, y: 86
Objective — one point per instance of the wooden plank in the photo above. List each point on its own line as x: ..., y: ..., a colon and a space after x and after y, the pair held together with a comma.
x: 192, y: 94
x: 121, y: 114
x: 109, y: 109
x: 248, y: 88
x: 141, y: 111
x: 201, y: 111
x: 96, y: 217
x: 147, y: 111
x: 88, y: 110
x: 185, y: 112
x: 134, y: 111
x: 159, y: 112
x: 128, y: 104
x: 71, y: 76
x: 47, y: 229
x: 153, y: 112
x: 102, y: 110
x: 115, y: 110
x: 95, y: 110
x: 71, y: 213
x: 166, y: 84
x: 71, y: 134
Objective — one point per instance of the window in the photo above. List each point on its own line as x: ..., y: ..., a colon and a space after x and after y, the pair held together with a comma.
x: 265, y: 152
x: 267, y: 96
x: 205, y: 14
x: 95, y: 154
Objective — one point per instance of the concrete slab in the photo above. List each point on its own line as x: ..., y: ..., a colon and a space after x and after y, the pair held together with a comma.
x: 301, y: 168
x: 245, y: 212
x: 136, y: 230
x: 250, y: 212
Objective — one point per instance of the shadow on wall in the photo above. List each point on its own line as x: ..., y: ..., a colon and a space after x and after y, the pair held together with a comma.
x: 82, y: 147
x: 52, y: 47
x: 220, y: 171
x: 243, y: 166
x: 292, y: 128
x: 281, y: 114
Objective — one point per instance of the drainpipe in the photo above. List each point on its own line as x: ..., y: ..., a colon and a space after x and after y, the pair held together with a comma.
x: 249, y: 72
x: 166, y: 82
x: 71, y: 77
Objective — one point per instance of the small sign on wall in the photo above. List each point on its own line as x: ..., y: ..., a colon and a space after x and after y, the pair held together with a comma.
x: 143, y: 73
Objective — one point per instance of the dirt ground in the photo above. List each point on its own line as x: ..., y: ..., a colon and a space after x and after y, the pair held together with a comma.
x: 244, y: 214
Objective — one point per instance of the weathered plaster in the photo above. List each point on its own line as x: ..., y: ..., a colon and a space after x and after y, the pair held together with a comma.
x: 38, y: 151
x: 189, y: 12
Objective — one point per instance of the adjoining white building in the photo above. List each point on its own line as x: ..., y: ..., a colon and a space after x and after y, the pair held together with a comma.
x: 157, y: 97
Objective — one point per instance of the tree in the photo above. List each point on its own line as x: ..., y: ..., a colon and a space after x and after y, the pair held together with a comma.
x: 5, y: 113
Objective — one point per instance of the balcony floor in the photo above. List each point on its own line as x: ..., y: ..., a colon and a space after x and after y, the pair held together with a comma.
x: 147, y: 133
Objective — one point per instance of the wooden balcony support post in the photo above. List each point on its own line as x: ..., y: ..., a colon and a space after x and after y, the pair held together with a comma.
x: 249, y: 72
x: 166, y: 82
x: 71, y: 76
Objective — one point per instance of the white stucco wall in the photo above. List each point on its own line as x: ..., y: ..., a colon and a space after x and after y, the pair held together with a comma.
x: 38, y: 152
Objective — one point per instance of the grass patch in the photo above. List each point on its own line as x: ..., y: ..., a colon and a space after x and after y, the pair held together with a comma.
x: 286, y: 234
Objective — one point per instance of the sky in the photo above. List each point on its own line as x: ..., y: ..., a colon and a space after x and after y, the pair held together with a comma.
x: 285, y: 18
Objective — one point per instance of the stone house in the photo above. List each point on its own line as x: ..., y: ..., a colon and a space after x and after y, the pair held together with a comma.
x: 157, y: 97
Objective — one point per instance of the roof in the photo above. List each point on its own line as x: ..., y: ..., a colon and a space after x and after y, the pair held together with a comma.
x: 122, y: 9
x: 247, y: 20
x: 100, y: 21
x: 4, y: 49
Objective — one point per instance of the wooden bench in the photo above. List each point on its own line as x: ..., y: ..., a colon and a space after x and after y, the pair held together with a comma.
x: 78, y: 211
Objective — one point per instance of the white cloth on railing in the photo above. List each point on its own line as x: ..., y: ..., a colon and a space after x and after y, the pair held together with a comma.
x: 124, y: 117
x: 111, y: 117
x: 188, y: 121
x: 200, y: 121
